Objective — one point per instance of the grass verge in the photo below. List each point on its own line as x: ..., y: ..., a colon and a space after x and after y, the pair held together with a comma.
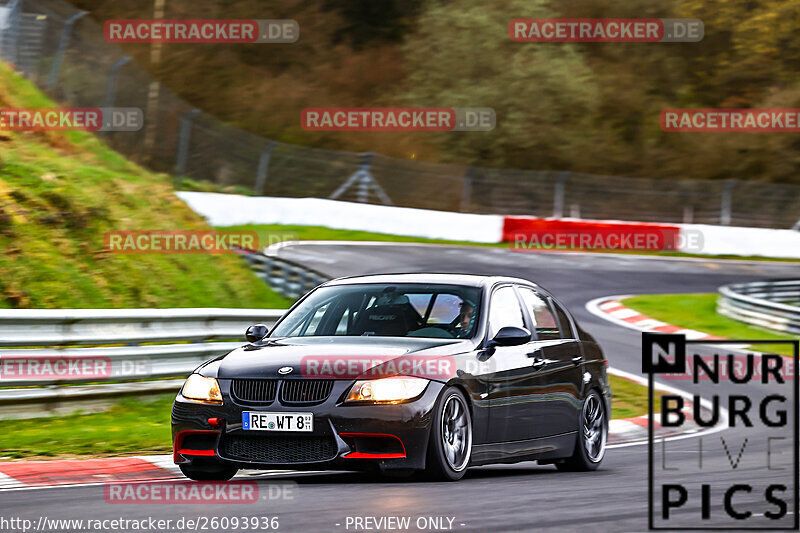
x: 60, y: 192
x: 630, y: 398
x: 132, y: 425
x: 699, y: 312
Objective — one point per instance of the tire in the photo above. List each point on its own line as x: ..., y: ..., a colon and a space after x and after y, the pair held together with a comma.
x: 216, y: 472
x: 450, y: 441
x: 590, y: 446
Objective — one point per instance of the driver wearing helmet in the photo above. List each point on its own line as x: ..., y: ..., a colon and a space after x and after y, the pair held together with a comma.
x: 463, y: 324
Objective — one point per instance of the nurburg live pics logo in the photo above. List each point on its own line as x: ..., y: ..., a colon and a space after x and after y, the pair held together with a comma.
x: 742, y: 471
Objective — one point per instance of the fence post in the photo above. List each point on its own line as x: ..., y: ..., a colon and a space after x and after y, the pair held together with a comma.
x: 558, y: 195
x: 111, y: 86
x: 14, y: 23
x: 183, y: 141
x: 688, y: 214
x: 63, y: 42
x: 726, y: 208
x: 263, y: 167
x: 466, y: 190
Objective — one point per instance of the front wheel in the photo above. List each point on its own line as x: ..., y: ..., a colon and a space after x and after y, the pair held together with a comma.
x: 450, y: 442
x: 217, y: 472
x: 590, y: 446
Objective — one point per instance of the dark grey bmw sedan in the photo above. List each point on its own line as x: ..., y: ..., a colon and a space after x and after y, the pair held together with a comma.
x: 401, y: 373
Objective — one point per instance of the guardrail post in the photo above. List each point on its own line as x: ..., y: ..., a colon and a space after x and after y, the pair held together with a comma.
x: 111, y: 86
x: 558, y: 195
x: 63, y: 42
x: 263, y: 167
x: 183, y: 141
x: 726, y: 209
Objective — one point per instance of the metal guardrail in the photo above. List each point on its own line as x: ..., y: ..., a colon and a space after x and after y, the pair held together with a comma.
x: 113, y: 349
x: 286, y: 277
x: 126, y: 350
x: 769, y: 304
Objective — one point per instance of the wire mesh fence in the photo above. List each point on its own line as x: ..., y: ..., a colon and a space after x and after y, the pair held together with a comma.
x: 64, y: 52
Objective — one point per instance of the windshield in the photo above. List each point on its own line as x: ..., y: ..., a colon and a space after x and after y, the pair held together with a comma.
x: 385, y: 310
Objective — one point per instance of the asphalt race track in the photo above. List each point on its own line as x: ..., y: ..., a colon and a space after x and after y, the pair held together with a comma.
x: 522, y: 497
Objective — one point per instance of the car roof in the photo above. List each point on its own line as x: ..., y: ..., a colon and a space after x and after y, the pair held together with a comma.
x: 471, y: 280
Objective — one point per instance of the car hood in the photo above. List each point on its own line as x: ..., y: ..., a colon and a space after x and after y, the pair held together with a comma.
x: 321, y: 354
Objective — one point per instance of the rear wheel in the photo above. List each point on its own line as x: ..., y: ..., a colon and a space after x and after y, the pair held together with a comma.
x: 590, y: 446
x: 450, y: 442
x: 209, y: 472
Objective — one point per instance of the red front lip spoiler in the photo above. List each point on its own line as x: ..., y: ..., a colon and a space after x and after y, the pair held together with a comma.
x: 209, y: 453
x: 180, y: 437
x: 364, y: 455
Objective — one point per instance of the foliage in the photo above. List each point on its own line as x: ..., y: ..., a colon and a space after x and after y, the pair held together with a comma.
x: 590, y: 107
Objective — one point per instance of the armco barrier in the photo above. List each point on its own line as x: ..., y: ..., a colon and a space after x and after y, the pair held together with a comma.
x: 286, y: 277
x: 129, y: 345
x: 765, y: 303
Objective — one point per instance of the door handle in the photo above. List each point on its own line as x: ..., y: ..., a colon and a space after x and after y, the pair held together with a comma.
x: 577, y: 360
x: 538, y: 362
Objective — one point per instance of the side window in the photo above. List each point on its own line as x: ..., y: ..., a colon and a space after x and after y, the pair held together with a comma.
x: 545, y: 323
x: 563, y: 319
x: 504, y: 311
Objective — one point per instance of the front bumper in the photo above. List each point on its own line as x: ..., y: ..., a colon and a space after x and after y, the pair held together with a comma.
x: 345, y: 437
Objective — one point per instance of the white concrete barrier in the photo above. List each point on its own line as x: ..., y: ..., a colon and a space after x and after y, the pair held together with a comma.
x: 733, y: 240
x: 232, y: 210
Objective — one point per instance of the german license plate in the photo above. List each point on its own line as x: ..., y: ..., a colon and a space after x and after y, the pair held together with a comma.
x: 260, y: 421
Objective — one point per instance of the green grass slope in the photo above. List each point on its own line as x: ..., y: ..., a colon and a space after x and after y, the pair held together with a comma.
x: 59, y: 194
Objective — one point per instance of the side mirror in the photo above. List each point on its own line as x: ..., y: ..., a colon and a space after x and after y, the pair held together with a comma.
x: 511, y: 336
x: 256, y: 332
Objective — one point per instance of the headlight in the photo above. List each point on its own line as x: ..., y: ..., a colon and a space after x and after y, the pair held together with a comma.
x: 386, y: 390
x: 202, y: 389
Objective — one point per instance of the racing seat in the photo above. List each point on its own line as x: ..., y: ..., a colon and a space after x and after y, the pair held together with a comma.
x: 383, y: 320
